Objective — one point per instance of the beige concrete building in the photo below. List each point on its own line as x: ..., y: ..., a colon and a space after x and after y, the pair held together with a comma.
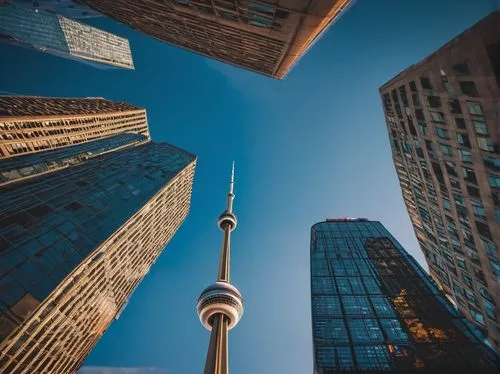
x: 443, y: 118
x: 267, y: 37
x: 31, y: 124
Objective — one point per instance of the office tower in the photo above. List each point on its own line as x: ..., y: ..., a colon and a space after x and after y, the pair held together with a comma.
x: 443, y: 118
x: 76, y: 239
x: 375, y: 310
x: 32, y: 124
x: 64, y: 37
x: 66, y: 8
x: 220, y: 305
x: 267, y: 37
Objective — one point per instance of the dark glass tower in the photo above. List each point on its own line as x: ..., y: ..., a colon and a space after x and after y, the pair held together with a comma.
x: 374, y: 309
x: 79, y: 229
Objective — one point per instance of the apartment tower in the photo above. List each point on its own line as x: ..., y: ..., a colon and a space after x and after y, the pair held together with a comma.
x: 52, y: 33
x: 267, y: 37
x: 80, y: 226
x: 375, y: 310
x: 443, y: 118
x: 30, y: 124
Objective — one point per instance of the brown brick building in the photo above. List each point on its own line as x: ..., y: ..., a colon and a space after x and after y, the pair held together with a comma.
x: 31, y: 124
x: 443, y: 118
x: 267, y: 37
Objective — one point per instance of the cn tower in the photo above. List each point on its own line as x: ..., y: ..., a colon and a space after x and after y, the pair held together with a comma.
x: 220, y: 305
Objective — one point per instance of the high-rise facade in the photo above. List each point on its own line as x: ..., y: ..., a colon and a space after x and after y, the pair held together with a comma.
x: 443, y: 118
x: 52, y: 33
x: 267, y: 37
x: 77, y: 235
x: 374, y: 309
x: 30, y: 124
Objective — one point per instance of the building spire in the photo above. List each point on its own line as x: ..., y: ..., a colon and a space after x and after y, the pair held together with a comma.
x: 220, y: 305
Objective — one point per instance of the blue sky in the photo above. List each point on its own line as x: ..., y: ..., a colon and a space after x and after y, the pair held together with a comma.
x: 306, y: 148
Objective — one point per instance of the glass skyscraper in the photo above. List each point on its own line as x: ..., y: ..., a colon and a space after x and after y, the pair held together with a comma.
x: 80, y: 227
x: 374, y: 309
x: 64, y: 37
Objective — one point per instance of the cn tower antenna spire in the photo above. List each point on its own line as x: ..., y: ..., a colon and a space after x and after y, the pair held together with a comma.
x: 220, y: 305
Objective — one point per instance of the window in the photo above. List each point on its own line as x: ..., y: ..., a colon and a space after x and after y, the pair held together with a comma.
x: 454, y: 106
x: 450, y: 168
x: 461, y: 263
x: 356, y: 305
x: 422, y: 128
x: 460, y: 122
x: 463, y: 140
x: 494, y: 180
x: 473, y: 191
x: 426, y: 83
x: 475, y: 108
x: 372, y: 357
x: 413, y: 86
x: 478, y: 210
x: 393, y: 330
x: 469, y: 175
x: 447, y: 86
x: 465, y: 155
x: 434, y: 101
x: 442, y: 133
x: 326, y: 306
x: 489, y: 247
x: 382, y: 306
x: 331, y: 331
x: 486, y: 144
x: 365, y: 330
x: 437, y: 116
x: 461, y: 69
x: 469, y: 89
x: 446, y: 149
x: 335, y: 358
x: 480, y: 127
x: 491, y: 162
x: 447, y: 205
x: 415, y: 99
x: 419, y: 114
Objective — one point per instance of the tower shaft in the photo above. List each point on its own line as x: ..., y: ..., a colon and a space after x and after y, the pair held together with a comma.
x: 217, y: 357
x: 224, y: 264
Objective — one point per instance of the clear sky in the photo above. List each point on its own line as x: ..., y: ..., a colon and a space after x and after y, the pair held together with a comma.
x: 309, y: 147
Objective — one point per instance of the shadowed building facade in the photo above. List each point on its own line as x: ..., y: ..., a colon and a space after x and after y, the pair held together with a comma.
x: 30, y: 124
x: 443, y: 119
x: 267, y: 37
x: 375, y: 310
x: 78, y: 232
x: 52, y: 33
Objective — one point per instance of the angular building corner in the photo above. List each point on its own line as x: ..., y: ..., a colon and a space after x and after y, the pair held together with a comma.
x: 264, y: 36
x: 443, y: 119
x: 375, y: 310
x: 80, y: 227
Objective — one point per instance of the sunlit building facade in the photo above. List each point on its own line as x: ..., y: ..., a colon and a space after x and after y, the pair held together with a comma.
x: 77, y: 238
x: 30, y: 124
x: 267, y: 37
x: 374, y: 309
x: 443, y: 119
x: 61, y: 36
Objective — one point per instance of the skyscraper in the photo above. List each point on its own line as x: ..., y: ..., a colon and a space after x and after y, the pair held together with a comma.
x: 67, y: 8
x: 267, y: 37
x: 220, y: 305
x: 80, y: 226
x: 31, y: 124
x: 375, y: 310
x: 443, y: 118
x: 64, y: 37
